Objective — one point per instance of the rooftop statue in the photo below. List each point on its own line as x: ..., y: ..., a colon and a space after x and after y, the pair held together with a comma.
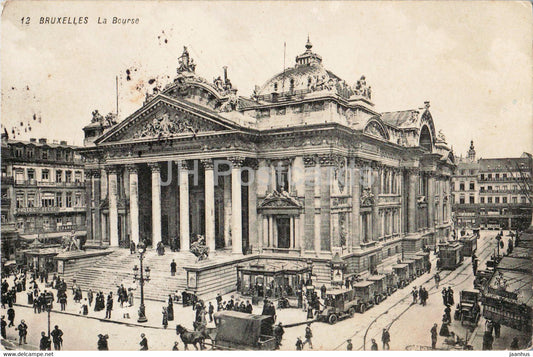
x: 185, y: 62
x: 441, y: 136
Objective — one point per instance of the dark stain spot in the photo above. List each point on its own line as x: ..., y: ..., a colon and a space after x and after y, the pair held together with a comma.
x: 151, y: 81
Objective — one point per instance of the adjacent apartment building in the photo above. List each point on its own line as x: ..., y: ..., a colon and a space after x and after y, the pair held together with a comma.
x: 492, y: 193
x: 43, y: 191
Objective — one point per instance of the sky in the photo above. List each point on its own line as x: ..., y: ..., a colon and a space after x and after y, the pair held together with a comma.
x: 471, y: 60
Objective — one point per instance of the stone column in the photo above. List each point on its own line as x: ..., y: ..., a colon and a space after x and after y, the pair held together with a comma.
x: 183, y: 174
x: 227, y: 209
x: 103, y: 183
x: 309, y: 204
x: 209, y: 204
x: 97, y: 232
x: 411, y: 206
x: 113, y: 209
x: 236, y: 205
x: 89, y: 204
x: 270, y: 231
x: 376, y: 222
x: 134, y: 202
x: 431, y: 201
x: 253, y: 222
x: 156, y: 203
x: 355, y: 232
x: 327, y: 162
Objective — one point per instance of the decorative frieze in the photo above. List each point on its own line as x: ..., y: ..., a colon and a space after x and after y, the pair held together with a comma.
x: 309, y: 160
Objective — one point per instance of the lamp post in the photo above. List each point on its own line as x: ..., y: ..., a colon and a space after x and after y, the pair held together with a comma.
x: 139, y: 276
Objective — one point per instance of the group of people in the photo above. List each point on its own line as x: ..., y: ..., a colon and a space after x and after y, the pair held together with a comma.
x: 234, y: 305
x: 168, y: 312
x: 447, y: 296
x: 420, y: 294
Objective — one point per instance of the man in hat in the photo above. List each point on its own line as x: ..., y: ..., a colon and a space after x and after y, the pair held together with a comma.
x: 11, y: 316
x: 374, y: 346
x: 173, y: 266
x: 143, y: 343
x: 299, y: 344
x: 3, y: 327
x: 349, y: 345
x: 278, y: 334
x: 57, y: 337
x: 23, y: 332
x: 433, y: 336
x: 109, y: 305
x: 385, y: 338
x: 308, y: 335
x: 44, y: 344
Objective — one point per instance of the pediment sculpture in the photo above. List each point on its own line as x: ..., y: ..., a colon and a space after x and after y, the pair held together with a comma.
x: 279, y: 199
x: 367, y: 197
x: 168, y: 124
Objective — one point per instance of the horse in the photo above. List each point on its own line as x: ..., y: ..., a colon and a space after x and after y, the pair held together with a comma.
x: 190, y: 337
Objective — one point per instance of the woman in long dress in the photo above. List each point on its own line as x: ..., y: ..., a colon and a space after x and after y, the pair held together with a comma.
x: 165, y: 317
x: 170, y: 309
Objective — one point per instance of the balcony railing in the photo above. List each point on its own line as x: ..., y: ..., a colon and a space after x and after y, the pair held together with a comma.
x: 489, y: 205
x: 500, y: 179
x: 29, y: 210
x: 501, y: 191
x: 51, y: 229
x: 48, y: 183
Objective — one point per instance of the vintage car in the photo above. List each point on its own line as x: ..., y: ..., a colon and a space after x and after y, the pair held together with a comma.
x: 482, y: 279
x: 242, y: 331
x: 380, y: 288
x: 364, y: 290
x: 450, y: 255
x: 468, y: 308
x: 339, y: 303
x: 402, y: 272
x: 391, y: 281
x: 412, y: 268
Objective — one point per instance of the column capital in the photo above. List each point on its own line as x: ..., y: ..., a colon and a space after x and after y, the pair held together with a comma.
x: 309, y: 160
x: 184, y: 164
x: 132, y: 168
x: 111, y: 169
x: 236, y: 161
x: 328, y: 160
x: 252, y: 163
x: 208, y: 164
x: 88, y: 174
x: 376, y: 165
x: 154, y: 166
x: 357, y: 162
x: 412, y: 170
x: 95, y: 173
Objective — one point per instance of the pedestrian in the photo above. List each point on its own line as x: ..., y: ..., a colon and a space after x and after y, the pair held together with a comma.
x: 84, y: 308
x: 323, y: 291
x: 57, y: 337
x: 450, y: 296
x: 385, y: 338
x: 11, y: 316
x: 130, y: 298
x: 514, y: 344
x: 421, y: 295
x: 308, y: 335
x: 374, y: 346
x: 175, y: 347
x: 433, y: 336
x: 62, y: 301
x: 444, y: 296
x: 143, y: 343
x: 299, y: 344
x: 102, y: 342
x: 173, y: 268
x: 3, y: 327
x: 23, y: 332
x: 165, y: 317
x: 414, y: 292
x: 109, y: 306
x: 487, y: 341
x: 278, y: 334
x: 211, y: 310
x: 448, y: 313
x: 349, y: 345
x: 90, y: 297
x: 170, y: 308
x: 132, y: 247
x: 44, y: 344
x: 497, y: 327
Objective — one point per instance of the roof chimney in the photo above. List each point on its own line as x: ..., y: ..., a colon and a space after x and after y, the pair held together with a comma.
x: 33, y: 140
x: 42, y: 141
x: 63, y: 142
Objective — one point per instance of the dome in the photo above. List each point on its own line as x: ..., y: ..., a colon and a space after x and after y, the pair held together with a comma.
x: 308, y: 74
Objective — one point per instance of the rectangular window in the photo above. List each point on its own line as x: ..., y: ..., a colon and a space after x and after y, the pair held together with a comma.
x: 59, y: 199
x: 482, y: 199
x: 471, y: 199
x: 496, y: 200
x: 59, y: 175
x: 497, y: 176
x: 45, y: 175
x: 68, y: 176
x: 31, y: 199
x: 44, y: 154
x: 472, y: 186
x: 489, y: 176
x: 20, y: 200
x: 489, y: 199
x: 31, y: 174
x: 522, y: 200
x: 77, y: 176
x: 461, y: 200
x: 68, y: 199
x: 482, y: 176
x: 482, y: 189
x: 515, y: 200
x: 462, y: 186
x: 504, y: 199
x: 77, y: 200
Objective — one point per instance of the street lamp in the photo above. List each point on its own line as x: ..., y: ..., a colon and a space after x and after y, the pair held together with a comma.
x: 139, y: 275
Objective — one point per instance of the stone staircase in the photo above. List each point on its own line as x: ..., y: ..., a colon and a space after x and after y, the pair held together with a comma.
x: 117, y: 268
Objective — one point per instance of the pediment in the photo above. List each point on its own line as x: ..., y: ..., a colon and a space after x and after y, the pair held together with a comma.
x: 277, y: 199
x: 160, y: 119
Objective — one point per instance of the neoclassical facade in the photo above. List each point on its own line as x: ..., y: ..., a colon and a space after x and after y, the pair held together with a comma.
x: 304, y: 167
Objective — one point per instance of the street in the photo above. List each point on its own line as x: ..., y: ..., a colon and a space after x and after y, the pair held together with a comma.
x: 397, y: 313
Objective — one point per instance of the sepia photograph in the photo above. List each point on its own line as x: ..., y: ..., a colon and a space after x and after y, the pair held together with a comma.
x: 266, y: 176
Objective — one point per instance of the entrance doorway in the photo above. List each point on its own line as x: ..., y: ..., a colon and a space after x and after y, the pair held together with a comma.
x: 284, y: 232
